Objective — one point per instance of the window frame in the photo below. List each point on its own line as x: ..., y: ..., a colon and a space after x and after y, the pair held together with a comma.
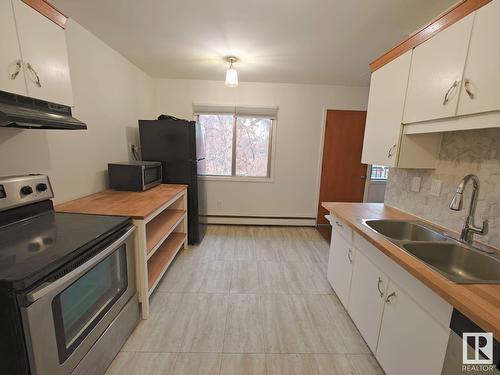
x: 377, y: 180
x: 270, y: 153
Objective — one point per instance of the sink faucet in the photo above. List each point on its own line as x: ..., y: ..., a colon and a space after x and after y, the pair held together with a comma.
x: 456, y: 204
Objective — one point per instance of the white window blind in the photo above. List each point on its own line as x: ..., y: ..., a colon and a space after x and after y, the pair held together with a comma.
x: 266, y: 112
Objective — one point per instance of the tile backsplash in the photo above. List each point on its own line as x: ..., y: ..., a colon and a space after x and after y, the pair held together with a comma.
x: 464, y: 152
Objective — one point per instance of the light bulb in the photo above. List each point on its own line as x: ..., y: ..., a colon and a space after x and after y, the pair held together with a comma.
x: 231, y: 77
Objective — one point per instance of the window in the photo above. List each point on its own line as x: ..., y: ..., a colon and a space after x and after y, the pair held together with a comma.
x: 236, y: 145
x: 379, y: 173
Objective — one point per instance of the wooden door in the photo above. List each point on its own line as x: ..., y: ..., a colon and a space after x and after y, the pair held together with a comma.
x: 481, y: 77
x: 343, y: 176
x: 436, y: 73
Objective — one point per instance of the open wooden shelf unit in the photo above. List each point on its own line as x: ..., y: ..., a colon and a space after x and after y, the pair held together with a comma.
x: 160, y: 236
x: 159, y: 262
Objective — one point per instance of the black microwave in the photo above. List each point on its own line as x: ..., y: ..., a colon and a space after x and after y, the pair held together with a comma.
x: 134, y: 175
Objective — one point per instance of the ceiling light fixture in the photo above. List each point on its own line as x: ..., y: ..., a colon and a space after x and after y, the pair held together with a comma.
x: 231, y: 74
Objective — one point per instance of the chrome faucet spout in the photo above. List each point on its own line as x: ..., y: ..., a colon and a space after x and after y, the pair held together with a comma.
x: 456, y: 204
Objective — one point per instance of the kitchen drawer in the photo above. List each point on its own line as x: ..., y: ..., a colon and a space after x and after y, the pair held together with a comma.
x: 342, y: 228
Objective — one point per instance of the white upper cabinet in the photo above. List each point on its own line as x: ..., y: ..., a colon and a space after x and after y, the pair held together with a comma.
x: 45, y: 56
x: 11, y: 73
x: 436, y: 73
x: 384, y: 143
x: 385, y: 110
x: 481, y: 81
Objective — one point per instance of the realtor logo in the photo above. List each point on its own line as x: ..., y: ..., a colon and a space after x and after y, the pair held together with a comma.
x: 482, y: 344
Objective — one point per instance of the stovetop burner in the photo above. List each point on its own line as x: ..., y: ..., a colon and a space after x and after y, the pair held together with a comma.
x: 35, y: 240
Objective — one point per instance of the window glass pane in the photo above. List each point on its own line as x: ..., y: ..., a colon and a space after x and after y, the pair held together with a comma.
x: 379, y: 172
x: 217, y: 135
x: 252, y: 146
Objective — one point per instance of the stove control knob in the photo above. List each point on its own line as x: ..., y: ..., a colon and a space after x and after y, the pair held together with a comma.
x: 41, y: 187
x: 26, y: 190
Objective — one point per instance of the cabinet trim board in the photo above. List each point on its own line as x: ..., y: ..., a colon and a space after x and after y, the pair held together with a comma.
x: 49, y: 11
x: 441, y: 22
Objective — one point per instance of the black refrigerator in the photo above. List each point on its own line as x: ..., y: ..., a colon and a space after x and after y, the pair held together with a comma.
x: 179, y: 147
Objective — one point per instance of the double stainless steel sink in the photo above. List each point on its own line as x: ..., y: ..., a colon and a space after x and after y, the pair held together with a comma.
x: 454, y: 260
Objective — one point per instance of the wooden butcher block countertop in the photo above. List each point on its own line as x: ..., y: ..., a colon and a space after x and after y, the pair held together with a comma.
x: 137, y: 205
x: 480, y: 302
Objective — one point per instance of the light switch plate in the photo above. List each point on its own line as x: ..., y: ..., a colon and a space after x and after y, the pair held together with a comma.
x: 415, y: 184
x: 436, y: 187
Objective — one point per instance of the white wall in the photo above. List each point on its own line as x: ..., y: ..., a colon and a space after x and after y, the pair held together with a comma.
x: 110, y: 94
x: 293, y: 191
x: 375, y: 191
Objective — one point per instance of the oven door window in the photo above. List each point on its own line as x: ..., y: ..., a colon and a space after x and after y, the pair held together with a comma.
x: 79, y: 307
x: 152, y: 174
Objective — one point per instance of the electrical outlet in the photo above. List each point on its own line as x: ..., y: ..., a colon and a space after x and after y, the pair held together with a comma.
x: 415, y: 184
x: 436, y: 187
x: 134, y: 149
x: 219, y: 204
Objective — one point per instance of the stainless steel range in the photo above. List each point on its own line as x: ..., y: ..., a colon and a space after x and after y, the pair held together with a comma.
x: 67, y: 283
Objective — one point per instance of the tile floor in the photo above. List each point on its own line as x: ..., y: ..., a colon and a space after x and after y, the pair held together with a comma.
x: 247, y: 300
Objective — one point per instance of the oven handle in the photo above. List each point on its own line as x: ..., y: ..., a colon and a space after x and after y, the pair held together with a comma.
x: 47, y: 287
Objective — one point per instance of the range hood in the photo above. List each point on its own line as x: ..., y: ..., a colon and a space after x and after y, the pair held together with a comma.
x: 18, y: 111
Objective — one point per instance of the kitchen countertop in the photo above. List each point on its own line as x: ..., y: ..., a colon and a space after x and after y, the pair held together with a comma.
x: 136, y: 204
x: 479, y: 302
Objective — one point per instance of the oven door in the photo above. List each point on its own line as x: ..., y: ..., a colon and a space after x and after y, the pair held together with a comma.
x: 151, y: 176
x: 68, y: 315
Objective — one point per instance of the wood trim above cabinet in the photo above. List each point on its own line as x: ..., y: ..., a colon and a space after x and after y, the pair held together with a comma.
x: 441, y: 22
x: 49, y: 11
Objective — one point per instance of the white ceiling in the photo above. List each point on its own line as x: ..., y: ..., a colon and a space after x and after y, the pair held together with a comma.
x: 294, y: 41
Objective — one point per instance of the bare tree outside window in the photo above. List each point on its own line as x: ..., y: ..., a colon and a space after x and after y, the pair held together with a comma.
x: 252, y: 146
x: 218, y: 136
x: 251, y: 138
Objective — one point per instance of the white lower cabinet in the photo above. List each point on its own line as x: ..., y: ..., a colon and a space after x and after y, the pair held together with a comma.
x: 411, y: 341
x: 366, y: 300
x: 340, y: 264
x: 404, y: 323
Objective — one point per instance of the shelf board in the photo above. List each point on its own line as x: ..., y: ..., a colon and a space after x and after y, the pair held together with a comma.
x: 159, y: 262
x: 161, y: 226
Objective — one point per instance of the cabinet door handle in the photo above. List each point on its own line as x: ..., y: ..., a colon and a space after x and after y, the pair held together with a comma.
x: 448, y: 93
x: 388, y: 299
x: 338, y: 224
x: 34, y: 74
x: 349, y: 255
x: 19, y: 66
x: 467, y: 88
x: 378, y: 287
x: 389, y: 153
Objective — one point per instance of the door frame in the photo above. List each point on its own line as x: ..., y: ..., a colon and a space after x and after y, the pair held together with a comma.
x: 321, y: 149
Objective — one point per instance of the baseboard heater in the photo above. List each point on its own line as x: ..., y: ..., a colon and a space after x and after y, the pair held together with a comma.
x: 259, y: 220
